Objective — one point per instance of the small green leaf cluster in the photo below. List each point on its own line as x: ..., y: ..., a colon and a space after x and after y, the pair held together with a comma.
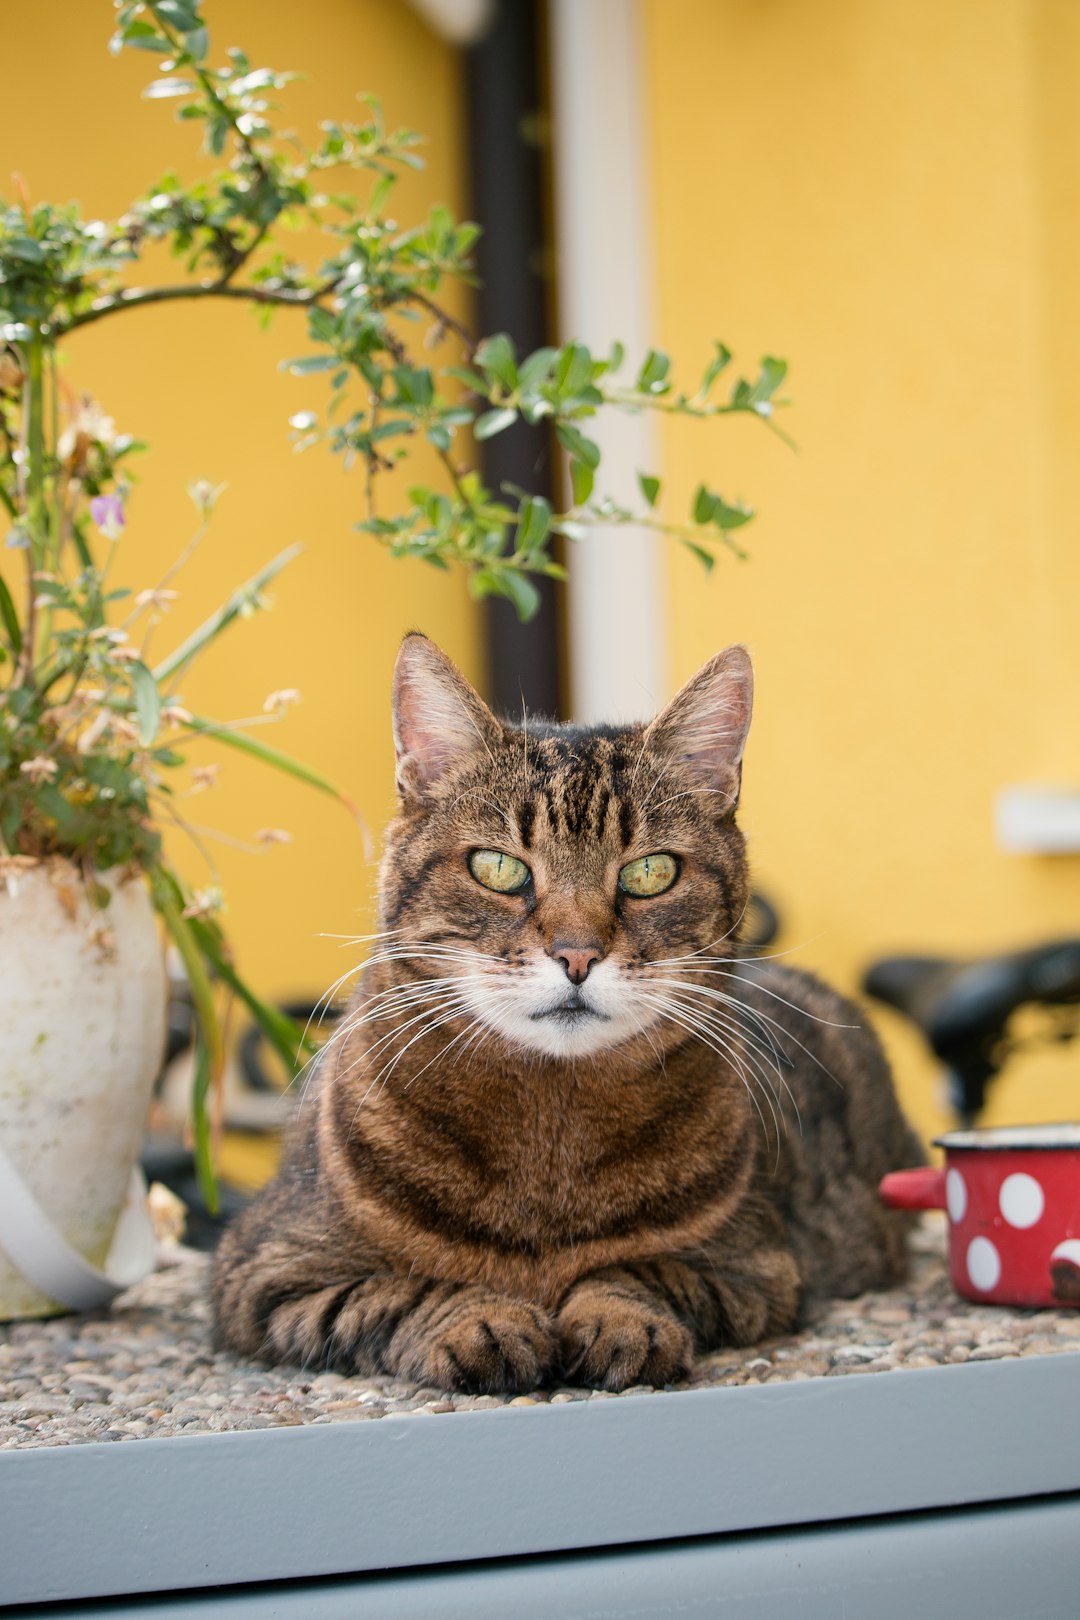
x: 378, y: 306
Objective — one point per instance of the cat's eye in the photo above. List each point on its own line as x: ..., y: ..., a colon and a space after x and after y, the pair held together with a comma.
x: 649, y: 875
x: 503, y: 873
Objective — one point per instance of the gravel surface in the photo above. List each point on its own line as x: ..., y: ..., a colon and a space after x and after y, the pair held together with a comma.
x: 147, y: 1369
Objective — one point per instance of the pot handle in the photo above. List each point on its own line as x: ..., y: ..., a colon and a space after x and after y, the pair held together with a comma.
x: 913, y: 1189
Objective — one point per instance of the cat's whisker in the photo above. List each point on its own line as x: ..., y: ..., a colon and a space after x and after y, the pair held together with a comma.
x: 686, y: 793
x: 690, y: 1023
x: 434, y: 1003
x: 325, y: 999
x: 472, y: 1027
x: 703, y: 950
x: 364, y: 939
x: 446, y: 1017
x: 765, y: 1060
x: 760, y: 1060
x: 323, y: 1003
x: 774, y: 995
x: 443, y: 1016
x: 419, y: 951
x: 737, y: 970
x: 761, y: 1024
x: 357, y: 1021
x: 766, y: 1024
x: 765, y: 1057
x: 502, y: 815
x: 349, y: 1022
x: 792, y: 1036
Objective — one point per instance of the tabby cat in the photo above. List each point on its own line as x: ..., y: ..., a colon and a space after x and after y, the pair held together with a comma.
x: 563, y: 1131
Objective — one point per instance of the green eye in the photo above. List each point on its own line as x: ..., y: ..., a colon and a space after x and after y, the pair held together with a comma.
x: 650, y: 875
x: 503, y: 873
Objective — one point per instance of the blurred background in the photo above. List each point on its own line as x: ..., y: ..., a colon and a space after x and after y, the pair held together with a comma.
x: 887, y: 196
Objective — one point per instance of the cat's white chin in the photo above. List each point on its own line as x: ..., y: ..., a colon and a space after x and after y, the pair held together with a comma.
x: 542, y: 1012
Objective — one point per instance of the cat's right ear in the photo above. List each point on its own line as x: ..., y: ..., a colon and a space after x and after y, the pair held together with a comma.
x: 440, y: 723
x: 703, y: 729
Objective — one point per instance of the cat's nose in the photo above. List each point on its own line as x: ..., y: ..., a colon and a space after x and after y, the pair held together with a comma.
x: 577, y: 960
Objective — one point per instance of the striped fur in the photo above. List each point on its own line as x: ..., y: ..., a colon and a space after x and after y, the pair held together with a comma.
x: 499, y: 1176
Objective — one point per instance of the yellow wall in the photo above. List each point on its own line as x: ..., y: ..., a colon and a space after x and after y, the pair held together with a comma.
x: 200, y: 383
x: 888, y: 196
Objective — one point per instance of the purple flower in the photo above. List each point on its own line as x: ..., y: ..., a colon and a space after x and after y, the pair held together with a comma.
x: 107, y: 512
x: 18, y: 540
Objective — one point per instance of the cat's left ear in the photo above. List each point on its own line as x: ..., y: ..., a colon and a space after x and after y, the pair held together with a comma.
x: 704, y: 727
x: 440, y: 723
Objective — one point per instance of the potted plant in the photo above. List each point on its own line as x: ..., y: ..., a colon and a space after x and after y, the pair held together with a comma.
x: 93, y: 723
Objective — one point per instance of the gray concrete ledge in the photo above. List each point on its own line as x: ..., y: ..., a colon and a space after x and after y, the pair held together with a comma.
x: 100, y: 1520
x: 983, y: 1564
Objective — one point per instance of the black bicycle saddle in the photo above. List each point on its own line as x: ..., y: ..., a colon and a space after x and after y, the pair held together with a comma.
x: 965, y: 1004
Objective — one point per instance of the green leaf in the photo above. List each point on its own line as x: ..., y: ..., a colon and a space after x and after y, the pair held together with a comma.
x: 731, y: 517
x: 535, y: 369
x: 572, y: 439
x: 162, y: 89
x: 769, y: 378
x: 521, y: 591
x: 534, y: 523
x: 581, y: 481
x: 497, y: 356
x: 200, y: 1118
x: 493, y: 422
x: 197, y: 43
x: 715, y: 367
x: 25, y: 249
x: 650, y: 488
x: 146, y: 41
x: 52, y: 801
x: 652, y: 378
x: 11, y: 619
x: 271, y: 756
x: 147, y: 702
x: 705, y: 558
x: 219, y: 621
x: 167, y: 896
x: 284, y: 1034
x: 705, y: 504
x: 182, y: 15
x: 11, y: 814
x: 309, y: 363
x: 574, y: 369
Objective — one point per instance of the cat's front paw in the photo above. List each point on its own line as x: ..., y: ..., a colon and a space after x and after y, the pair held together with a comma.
x: 486, y: 1345
x: 612, y: 1341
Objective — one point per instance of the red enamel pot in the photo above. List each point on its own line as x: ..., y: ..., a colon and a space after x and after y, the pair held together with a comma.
x: 1012, y: 1197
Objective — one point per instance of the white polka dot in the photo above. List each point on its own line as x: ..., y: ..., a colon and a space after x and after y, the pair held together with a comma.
x: 956, y: 1195
x: 983, y: 1264
x: 1069, y: 1250
x: 1021, y: 1200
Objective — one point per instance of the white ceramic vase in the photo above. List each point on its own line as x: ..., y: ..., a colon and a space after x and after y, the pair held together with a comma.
x: 82, y: 1030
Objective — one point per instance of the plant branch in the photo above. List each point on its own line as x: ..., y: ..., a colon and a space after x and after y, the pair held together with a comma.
x: 134, y: 297
x: 212, y: 94
x: 444, y: 318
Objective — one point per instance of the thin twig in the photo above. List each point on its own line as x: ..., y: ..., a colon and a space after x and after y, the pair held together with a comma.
x: 134, y: 297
